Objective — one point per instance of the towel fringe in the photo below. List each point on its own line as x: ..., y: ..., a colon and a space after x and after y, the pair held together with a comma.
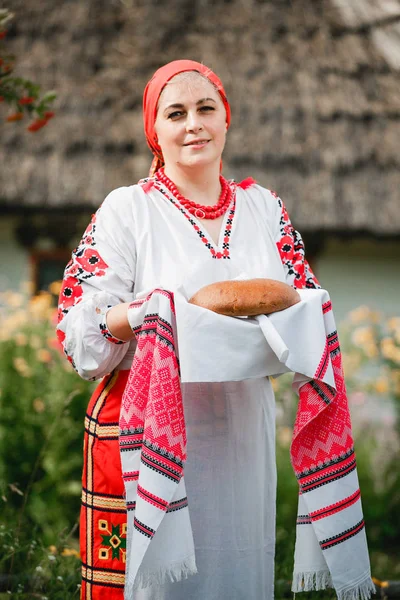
x: 320, y: 580
x: 362, y: 591
x: 145, y: 579
x: 316, y: 580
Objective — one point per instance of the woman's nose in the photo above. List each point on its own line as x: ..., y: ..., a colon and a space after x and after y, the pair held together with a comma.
x: 193, y: 121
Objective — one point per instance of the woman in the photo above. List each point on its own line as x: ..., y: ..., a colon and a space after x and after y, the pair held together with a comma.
x: 148, y: 236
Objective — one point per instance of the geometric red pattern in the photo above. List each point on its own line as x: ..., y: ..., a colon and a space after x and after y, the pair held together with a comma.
x: 322, y: 430
x: 152, y: 399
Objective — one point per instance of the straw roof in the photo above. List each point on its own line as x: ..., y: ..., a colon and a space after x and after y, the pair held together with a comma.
x: 314, y: 88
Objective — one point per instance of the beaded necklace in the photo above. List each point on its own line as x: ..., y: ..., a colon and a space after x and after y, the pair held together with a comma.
x: 200, y: 211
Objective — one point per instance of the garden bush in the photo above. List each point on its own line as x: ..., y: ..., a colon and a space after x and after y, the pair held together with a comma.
x: 42, y: 407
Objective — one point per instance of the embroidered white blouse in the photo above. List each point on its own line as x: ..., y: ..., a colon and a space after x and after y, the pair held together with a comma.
x: 139, y: 239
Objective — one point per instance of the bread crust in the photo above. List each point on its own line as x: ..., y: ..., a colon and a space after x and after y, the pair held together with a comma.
x: 250, y: 297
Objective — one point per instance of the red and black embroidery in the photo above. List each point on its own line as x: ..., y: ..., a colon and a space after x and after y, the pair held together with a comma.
x: 177, y: 505
x: 71, y: 293
x: 337, y: 470
x: 333, y: 509
x: 108, y: 335
x: 303, y: 520
x: 343, y: 536
x: 292, y: 253
x: 85, y: 263
x: 104, y: 329
x: 215, y: 251
x: 90, y: 263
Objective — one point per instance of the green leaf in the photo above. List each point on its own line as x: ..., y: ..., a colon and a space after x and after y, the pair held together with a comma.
x: 49, y: 96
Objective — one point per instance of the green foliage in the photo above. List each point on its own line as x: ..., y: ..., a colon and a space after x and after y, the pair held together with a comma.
x: 34, y: 571
x: 21, y: 94
x: 42, y: 406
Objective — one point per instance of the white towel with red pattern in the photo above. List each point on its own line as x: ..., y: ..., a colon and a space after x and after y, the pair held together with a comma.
x: 331, y: 547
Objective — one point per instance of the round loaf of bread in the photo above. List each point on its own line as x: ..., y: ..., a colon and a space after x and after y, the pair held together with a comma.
x: 249, y: 297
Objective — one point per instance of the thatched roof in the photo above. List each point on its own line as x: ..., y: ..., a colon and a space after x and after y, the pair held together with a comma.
x: 314, y: 88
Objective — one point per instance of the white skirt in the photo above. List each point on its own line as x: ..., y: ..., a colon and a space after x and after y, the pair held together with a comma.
x: 230, y: 477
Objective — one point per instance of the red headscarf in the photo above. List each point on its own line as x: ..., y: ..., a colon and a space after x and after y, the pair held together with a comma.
x: 152, y: 93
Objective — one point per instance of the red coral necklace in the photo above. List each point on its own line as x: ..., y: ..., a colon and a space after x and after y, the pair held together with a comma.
x: 201, y: 211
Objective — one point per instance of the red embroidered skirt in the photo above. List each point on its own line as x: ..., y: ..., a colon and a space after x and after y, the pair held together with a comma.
x: 103, y: 514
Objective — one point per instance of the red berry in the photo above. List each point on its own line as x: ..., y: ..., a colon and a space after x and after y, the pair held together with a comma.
x: 26, y: 100
x: 15, y: 117
x: 36, y: 125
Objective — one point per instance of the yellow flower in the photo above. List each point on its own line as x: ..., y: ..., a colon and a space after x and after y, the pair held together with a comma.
x: 38, y: 405
x: 375, y: 316
x: 351, y: 362
x: 362, y: 336
x: 55, y: 287
x: 22, y: 367
x: 70, y: 552
x: 393, y: 324
x: 35, y: 341
x: 362, y: 313
x: 395, y: 375
x: 14, y: 299
x: 4, y: 336
x: 40, y: 304
x: 382, y: 385
x: 396, y: 355
x: 371, y: 350
x: 20, y: 339
x: 285, y: 436
x: 388, y: 348
x: 53, y: 549
x: 43, y: 355
x: 275, y: 384
x: 14, y: 321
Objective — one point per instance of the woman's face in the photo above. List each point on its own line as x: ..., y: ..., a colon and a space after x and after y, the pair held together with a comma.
x: 191, y: 122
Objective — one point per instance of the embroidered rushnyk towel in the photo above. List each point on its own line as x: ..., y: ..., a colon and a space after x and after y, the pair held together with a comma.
x: 331, y: 547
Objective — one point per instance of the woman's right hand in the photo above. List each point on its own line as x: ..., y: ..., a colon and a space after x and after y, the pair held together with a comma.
x: 118, y: 324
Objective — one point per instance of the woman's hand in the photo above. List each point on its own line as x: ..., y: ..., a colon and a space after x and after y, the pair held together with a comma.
x: 118, y: 324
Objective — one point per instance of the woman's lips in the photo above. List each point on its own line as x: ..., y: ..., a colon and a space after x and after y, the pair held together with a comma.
x: 196, y: 144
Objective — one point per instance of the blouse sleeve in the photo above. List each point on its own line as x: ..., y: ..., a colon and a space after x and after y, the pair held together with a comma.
x: 99, y: 275
x: 291, y: 250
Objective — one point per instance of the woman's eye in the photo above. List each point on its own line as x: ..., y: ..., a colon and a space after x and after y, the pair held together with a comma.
x: 175, y: 115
